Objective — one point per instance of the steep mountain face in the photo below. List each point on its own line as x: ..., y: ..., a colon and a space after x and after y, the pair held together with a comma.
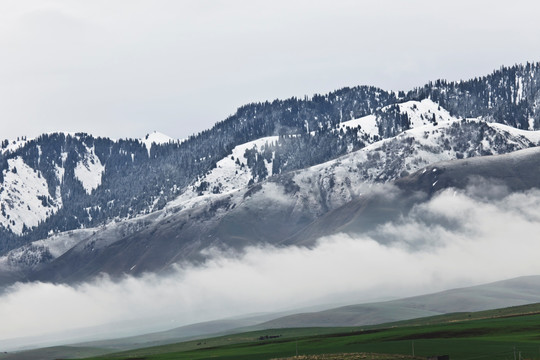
x: 286, y: 172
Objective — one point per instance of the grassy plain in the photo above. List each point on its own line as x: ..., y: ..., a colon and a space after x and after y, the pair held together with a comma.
x: 495, y: 334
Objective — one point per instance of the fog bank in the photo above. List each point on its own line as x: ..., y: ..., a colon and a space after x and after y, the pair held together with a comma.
x: 458, y: 238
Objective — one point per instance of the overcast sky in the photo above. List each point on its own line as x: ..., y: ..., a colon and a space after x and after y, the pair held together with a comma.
x: 123, y: 68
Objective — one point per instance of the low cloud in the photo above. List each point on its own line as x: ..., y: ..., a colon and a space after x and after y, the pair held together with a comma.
x: 458, y: 238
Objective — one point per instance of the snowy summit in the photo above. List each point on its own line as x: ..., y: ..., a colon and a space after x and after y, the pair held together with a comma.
x: 156, y: 138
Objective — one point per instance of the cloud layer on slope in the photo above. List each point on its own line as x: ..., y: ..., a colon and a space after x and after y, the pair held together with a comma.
x: 457, y: 238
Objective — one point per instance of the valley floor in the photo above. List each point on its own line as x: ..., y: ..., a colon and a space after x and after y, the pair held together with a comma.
x: 510, y: 333
x: 352, y: 356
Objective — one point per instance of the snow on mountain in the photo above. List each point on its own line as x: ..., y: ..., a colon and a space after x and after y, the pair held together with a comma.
x: 89, y: 170
x: 424, y: 112
x: 303, y: 194
x: 25, y: 258
x: 156, y: 138
x: 311, y: 192
x: 434, y: 136
x: 30, y: 256
x: 38, y: 253
x: 12, y: 145
x: 420, y: 113
x: 231, y: 172
x: 425, y: 145
x: 531, y: 135
x: 332, y: 184
x: 24, y: 197
x: 366, y: 125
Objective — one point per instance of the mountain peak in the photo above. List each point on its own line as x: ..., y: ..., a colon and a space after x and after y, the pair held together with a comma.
x: 156, y: 138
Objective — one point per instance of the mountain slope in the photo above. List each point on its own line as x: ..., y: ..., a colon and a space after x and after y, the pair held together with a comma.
x: 294, y: 208
x: 91, y: 181
x: 516, y: 171
x: 141, y: 176
x: 512, y: 292
x: 287, y: 172
x: 508, y: 96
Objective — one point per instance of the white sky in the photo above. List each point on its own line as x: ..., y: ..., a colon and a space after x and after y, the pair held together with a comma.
x: 124, y: 68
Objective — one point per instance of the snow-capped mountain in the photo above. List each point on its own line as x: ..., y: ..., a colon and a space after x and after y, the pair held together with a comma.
x: 434, y: 135
x: 157, y: 138
x: 264, y: 175
x: 225, y: 211
x: 26, y: 201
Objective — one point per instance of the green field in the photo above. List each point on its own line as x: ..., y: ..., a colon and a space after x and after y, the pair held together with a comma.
x: 495, y: 334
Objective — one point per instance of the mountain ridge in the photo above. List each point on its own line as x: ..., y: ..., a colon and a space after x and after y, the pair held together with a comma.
x: 278, y: 118
x: 301, y: 159
x: 302, y: 207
